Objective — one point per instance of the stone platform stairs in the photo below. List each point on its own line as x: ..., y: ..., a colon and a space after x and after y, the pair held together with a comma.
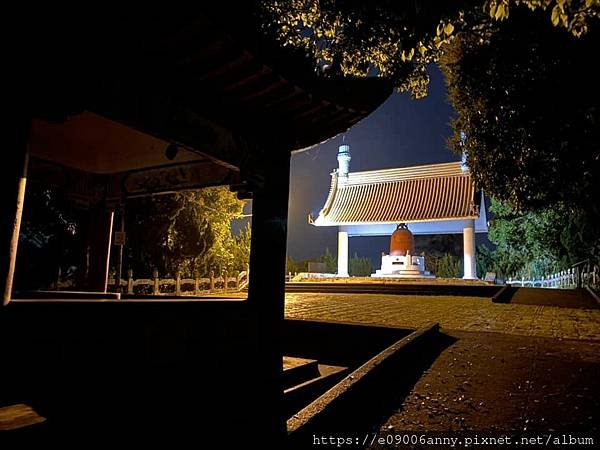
x: 412, y: 288
x: 306, y: 379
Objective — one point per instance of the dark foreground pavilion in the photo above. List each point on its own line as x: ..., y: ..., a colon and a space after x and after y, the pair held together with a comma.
x: 96, y: 100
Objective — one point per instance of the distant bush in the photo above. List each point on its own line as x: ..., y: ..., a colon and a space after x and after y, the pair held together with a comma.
x: 360, y: 266
x: 444, y: 266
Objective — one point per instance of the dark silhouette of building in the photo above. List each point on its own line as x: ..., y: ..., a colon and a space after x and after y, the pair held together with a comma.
x: 107, y: 105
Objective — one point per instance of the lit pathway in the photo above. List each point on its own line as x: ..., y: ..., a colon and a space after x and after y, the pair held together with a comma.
x: 453, y: 313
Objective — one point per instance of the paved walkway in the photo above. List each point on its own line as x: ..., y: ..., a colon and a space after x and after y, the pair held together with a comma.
x: 504, y: 384
x: 453, y: 313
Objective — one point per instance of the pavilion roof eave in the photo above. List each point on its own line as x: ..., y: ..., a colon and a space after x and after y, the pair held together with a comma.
x: 429, y: 193
x: 204, y: 81
x: 320, y: 221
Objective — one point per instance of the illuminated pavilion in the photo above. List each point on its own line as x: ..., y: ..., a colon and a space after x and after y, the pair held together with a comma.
x: 430, y: 199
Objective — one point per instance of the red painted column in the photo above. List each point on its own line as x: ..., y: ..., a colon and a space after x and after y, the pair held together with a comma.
x: 12, y: 198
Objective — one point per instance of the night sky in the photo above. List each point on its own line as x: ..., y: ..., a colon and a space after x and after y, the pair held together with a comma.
x: 402, y: 132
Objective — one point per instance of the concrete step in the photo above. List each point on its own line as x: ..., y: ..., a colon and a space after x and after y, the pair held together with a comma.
x: 372, y: 389
x: 298, y: 396
x: 13, y: 417
x: 298, y: 370
x: 395, y: 288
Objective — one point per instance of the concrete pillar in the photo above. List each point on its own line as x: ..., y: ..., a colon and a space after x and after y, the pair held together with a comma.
x: 98, y: 249
x: 13, y: 182
x: 119, y: 261
x: 342, y: 254
x: 266, y: 290
x: 470, y: 265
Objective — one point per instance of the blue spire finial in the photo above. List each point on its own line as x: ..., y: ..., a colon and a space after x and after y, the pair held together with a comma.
x: 344, y: 158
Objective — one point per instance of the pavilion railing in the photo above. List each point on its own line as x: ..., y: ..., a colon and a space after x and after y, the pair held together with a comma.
x: 181, y: 286
x: 579, y: 275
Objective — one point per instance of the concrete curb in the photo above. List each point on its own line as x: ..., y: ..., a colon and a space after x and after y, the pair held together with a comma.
x: 69, y: 295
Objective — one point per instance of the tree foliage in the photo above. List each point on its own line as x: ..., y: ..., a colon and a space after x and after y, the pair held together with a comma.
x: 240, y: 249
x: 537, y: 243
x: 528, y: 112
x: 50, y: 242
x: 359, y: 266
x: 518, y: 73
x: 444, y: 265
x: 520, y: 78
x: 296, y: 266
x: 485, y: 260
x: 188, y: 232
x: 329, y: 260
x: 290, y: 265
x: 398, y: 39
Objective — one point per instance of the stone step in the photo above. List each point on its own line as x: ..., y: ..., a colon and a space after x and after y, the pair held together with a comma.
x: 395, y: 288
x: 300, y: 395
x: 17, y: 416
x: 298, y: 370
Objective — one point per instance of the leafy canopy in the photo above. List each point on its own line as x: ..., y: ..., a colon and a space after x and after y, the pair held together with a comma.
x: 527, y: 111
x: 537, y: 243
x: 360, y: 266
x: 399, y: 39
x: 188, y: 232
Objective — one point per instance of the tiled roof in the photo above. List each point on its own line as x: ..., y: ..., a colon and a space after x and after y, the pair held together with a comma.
x: 409, y: 194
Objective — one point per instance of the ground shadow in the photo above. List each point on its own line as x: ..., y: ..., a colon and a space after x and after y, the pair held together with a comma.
x: 371, y: 404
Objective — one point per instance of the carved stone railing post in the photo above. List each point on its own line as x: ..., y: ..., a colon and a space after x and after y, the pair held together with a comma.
x: 178, y: 283
x: 130, y: 281
x: 156, y: 286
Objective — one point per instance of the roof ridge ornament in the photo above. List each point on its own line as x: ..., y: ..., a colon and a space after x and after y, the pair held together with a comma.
x: 464, y: 166
x: 344, y: 158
